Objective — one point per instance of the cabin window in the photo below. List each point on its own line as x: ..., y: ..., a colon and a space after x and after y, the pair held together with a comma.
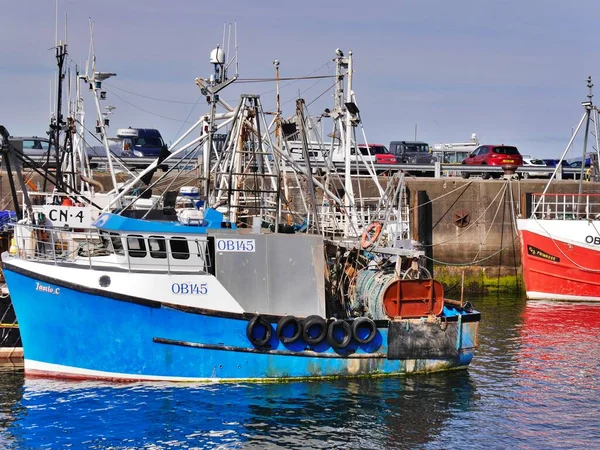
x: 136, y: 246
x: 116, y: 243
x: 179, y: 248
x: 157, y: 247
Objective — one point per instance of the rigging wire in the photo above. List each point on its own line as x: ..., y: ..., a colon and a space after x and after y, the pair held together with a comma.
x: 152, y: 98
x: 321, y: 94
x: 177, y: 135
x: 268, y: 80
x: 146, y: 111
x: 327, y: 64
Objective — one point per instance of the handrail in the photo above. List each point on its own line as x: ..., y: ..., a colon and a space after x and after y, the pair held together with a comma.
x: 566, y: 206
x: 77, y: 247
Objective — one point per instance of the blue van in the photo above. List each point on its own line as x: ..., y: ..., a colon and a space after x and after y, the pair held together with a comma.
x: 141, y: 142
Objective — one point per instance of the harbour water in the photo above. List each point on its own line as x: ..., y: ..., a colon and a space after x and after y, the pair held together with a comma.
x: 534, y: 383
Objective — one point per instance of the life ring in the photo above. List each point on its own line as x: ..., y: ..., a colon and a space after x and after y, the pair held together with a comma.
x: 289, y: 321
x: 257, y: 337
x: 332, y: 337
x: 371, y: 234
x: 361, y: 326
x: 314, y: 329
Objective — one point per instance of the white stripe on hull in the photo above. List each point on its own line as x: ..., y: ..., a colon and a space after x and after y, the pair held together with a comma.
x: 532, y: 295
x: 59, y: 371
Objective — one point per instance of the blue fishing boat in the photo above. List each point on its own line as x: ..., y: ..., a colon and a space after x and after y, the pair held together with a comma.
x: 141, y: 300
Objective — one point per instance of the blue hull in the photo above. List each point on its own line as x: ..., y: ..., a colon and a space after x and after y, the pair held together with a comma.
x: 69, y: 332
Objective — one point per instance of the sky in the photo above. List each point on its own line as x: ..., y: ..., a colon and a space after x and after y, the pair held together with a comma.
x: 512, y: 71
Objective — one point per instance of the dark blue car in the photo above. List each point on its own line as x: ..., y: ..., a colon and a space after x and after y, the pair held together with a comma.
x: 147, y: 143
x: 565, y: 164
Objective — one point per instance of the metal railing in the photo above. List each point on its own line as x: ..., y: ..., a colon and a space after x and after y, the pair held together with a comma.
x: 566, y: 206
x: 436, y: 170
x: 332, y: 221
x: 90, y: 247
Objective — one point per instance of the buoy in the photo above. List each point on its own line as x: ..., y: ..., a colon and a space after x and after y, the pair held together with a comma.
x: 13, y: 247
x: 67, y: 202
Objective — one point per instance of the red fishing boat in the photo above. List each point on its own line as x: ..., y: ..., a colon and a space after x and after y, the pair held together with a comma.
x: 560, y: 241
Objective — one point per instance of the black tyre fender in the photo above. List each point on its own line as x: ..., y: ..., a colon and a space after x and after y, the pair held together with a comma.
x: 331, y: 339
x: 364, y: 322
x: 286, y: 321
x: 256, y: 321
x: 311, y: 322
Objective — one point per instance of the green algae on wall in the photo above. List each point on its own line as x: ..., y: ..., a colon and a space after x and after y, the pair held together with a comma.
x: 479, y: 280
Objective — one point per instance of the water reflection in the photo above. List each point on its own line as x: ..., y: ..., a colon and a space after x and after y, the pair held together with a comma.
x: 366, y: 413
x: 559, y: 373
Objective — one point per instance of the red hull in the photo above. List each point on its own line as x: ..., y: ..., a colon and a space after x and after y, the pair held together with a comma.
x: 557, y: 270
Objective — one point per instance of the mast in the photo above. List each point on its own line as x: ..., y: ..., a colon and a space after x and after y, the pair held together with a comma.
x: 589, y: 106
x: 217, y: 81
x: 349, y: 190
x: 57, y: 124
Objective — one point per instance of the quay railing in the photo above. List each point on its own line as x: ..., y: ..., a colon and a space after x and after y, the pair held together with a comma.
x: 436, y: 169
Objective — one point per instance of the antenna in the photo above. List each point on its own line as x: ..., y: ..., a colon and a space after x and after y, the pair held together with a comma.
x: 236, y: 49
x: 228, y: 40
x: 224, y: 32
x: 90, y: 49
x: 56, y: 26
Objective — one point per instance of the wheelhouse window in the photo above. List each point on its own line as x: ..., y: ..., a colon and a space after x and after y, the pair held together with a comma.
x: 179, y: 248
x: 157, y: 246
x: 136, y: 246
x: 116, y: 243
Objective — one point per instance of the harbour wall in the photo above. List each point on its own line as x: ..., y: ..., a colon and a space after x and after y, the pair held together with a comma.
x: 468, y: 228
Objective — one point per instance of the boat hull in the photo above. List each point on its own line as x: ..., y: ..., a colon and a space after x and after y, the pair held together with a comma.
x: 560, y: 259
x: 69, y: 331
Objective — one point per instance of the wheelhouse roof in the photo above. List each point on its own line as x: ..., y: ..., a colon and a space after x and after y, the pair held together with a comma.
x: 117, y: 223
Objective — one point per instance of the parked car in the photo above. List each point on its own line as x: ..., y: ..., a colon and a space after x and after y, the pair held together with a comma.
x: 577, y: 163
x: 141, y: 142
x: 528, y: 161
x: 31, y: 146
x: 413, y: 152
x: 565, y: 164
x: 382, y: 154
x: 35, y: 147
x: 492, y: 155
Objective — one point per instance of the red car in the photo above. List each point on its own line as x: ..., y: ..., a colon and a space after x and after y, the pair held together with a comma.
x: 381, y: 153
x: 493, y: 155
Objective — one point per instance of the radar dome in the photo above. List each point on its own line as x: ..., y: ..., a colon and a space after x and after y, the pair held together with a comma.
x: 217, y: 56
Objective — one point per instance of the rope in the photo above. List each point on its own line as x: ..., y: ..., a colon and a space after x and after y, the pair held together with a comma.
x: 470, y: 263
x: 472, y: 223
x: 490, y: 228
x: 441, y: 196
